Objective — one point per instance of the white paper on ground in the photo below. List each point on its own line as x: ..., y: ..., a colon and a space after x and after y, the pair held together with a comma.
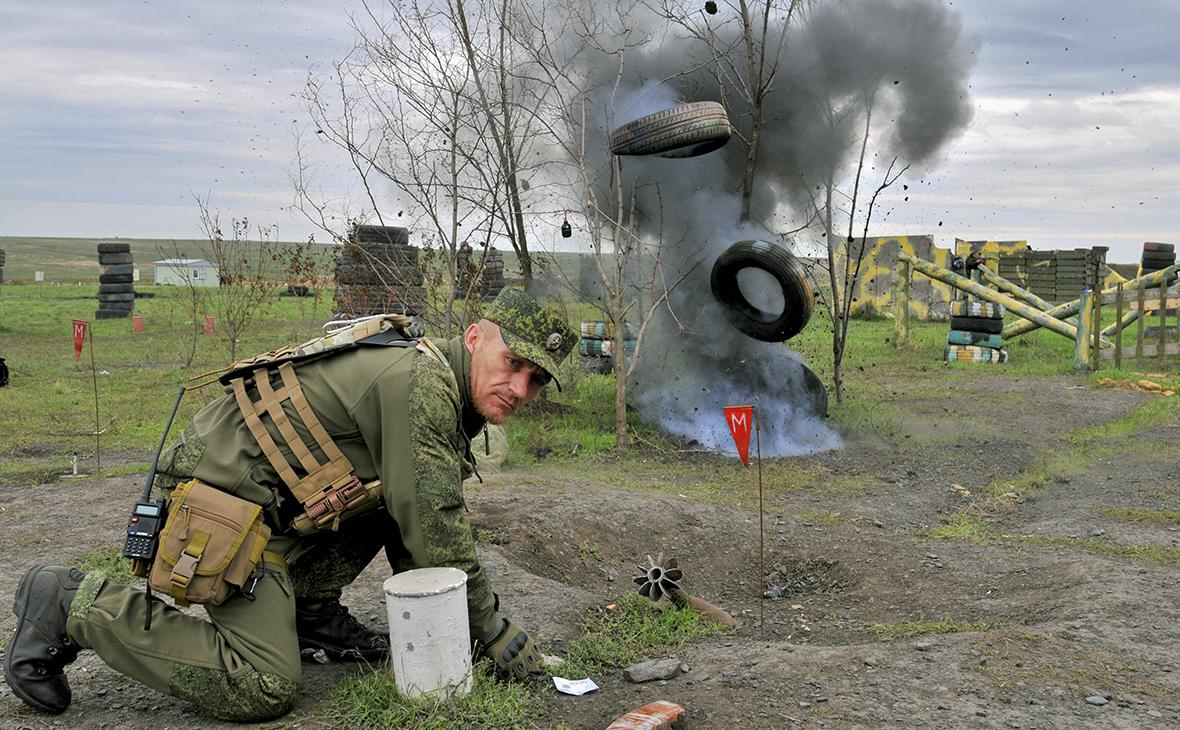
x: 574, y: 686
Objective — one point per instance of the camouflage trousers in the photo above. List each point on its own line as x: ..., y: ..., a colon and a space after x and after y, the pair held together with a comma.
x: 324, y: 563
x: 242, y: 664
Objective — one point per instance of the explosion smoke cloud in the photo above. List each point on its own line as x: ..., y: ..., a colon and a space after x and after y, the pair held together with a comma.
x: 904, y: 61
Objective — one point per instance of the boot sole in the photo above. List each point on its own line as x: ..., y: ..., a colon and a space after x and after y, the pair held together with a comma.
x: 21, y: 595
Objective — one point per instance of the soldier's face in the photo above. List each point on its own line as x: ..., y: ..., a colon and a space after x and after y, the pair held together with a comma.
x: 501, y: 380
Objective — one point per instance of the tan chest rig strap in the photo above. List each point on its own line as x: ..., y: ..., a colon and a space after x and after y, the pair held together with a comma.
x: 330, y: 491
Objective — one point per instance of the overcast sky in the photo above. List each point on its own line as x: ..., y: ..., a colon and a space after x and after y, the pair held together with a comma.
x: 115, y: 114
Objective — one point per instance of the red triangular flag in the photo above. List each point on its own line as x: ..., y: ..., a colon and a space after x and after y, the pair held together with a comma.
x: 741, y: 420
x: 79, y: 336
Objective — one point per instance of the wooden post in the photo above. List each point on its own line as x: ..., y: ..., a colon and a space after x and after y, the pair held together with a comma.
x: 1139, y: 333
x: 1061, y: 311
x: 1163, y: 305
x: 906, y: 281
x: 898, y: 306
x: 1118, y: 333
x: 1096, y: 344
x: 1081, y: 353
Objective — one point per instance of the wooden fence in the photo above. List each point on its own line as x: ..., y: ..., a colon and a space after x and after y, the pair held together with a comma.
x: 1139, y: 306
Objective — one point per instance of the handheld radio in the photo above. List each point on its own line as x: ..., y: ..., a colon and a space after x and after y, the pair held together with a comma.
x: 147, y: 516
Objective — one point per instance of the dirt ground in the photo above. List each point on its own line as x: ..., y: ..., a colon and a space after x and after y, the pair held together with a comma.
x: 1067, y: 637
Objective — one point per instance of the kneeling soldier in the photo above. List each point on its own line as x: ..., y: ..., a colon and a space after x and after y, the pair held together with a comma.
x: 328, y: 453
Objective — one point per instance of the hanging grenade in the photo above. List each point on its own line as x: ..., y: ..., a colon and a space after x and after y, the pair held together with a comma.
x: 711, y: 7
x: 566, y: 229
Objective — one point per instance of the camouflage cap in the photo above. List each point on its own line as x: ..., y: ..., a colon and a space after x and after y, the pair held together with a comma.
x: 536, y: 333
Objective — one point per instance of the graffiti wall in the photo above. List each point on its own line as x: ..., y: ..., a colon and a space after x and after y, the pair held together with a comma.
x: 874, y: 290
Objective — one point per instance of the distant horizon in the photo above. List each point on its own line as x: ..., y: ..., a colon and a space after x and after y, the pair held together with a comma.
x: 198, y: 241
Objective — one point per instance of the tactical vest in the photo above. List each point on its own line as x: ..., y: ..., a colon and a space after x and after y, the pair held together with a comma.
x: 330, y: 491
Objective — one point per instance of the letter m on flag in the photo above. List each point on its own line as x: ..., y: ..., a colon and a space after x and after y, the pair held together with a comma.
x: 741, y: 420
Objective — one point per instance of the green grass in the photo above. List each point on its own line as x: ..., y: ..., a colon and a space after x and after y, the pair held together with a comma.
x: 1153, y: 554
x: 111, y: 560
x: 1157, y: 413
x: 372, y: 700
x: 634, y: 630
x: 968, y: 528
x: 961, y: 527
x: 909, y: 629
x: 1141, y: 514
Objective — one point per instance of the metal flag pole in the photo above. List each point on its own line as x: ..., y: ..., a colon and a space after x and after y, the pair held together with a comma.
x: 761, y: 538
x: 97, y: 427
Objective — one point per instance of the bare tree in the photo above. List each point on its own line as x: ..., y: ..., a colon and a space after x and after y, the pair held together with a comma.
x: 845, y: 255
x: 425, y: 104
x: 568, y: 46
x: 246, y: 290
x: 744, y: 47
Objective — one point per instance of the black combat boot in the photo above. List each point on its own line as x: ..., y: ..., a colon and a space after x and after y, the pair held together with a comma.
x: 325, y: 623
x: 35, y: 659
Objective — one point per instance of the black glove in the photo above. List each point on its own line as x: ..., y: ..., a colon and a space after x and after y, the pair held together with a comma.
x: 514, y: 653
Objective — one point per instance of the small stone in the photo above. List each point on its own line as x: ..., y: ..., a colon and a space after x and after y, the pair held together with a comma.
x: 702, y: 677
x: 665, y: 668
x: 1154, y: 713
x: 923, y: 646
x: 804, y: 705
x: 878, y: 523
x: 1098, y: 700
x: 550, y: 661
x: 871, y: 661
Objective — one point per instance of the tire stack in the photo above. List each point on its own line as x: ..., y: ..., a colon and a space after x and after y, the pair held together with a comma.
x: 116, y: 289
x: 377, y: 273
x: 492, y: 278
x: 1156, y: 256
x: 597, y: 347
x: 975, y: 333
x: 1, y: 266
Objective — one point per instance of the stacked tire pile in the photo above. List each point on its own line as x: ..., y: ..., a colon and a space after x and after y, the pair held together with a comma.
x: 975, y: 333
x: 596, y: 349
x: 116, y: 290
x: 377, y: 273
x: 1, y: 266
x: 492, y: 278
x: 1156, y: 256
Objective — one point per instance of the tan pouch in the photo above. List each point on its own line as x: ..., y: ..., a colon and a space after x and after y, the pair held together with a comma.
x: 210, y: 545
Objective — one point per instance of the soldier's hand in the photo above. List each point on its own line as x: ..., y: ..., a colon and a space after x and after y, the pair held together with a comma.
x: 514, y: 653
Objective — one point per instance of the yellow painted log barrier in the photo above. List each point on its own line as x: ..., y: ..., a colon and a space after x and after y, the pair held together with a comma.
x: 1009, y: 287
x: 1015, y: 306
x: 1069, y: 309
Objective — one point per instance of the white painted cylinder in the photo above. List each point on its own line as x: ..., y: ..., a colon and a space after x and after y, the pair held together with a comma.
x: 429, y: 637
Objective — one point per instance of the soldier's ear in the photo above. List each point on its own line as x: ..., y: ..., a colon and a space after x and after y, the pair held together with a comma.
x: 471, y: 337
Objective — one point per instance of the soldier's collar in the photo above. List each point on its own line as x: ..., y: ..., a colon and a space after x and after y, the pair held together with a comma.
x: 460, y: 360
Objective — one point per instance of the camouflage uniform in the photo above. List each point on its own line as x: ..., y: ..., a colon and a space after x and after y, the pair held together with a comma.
x: 399, y: 415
